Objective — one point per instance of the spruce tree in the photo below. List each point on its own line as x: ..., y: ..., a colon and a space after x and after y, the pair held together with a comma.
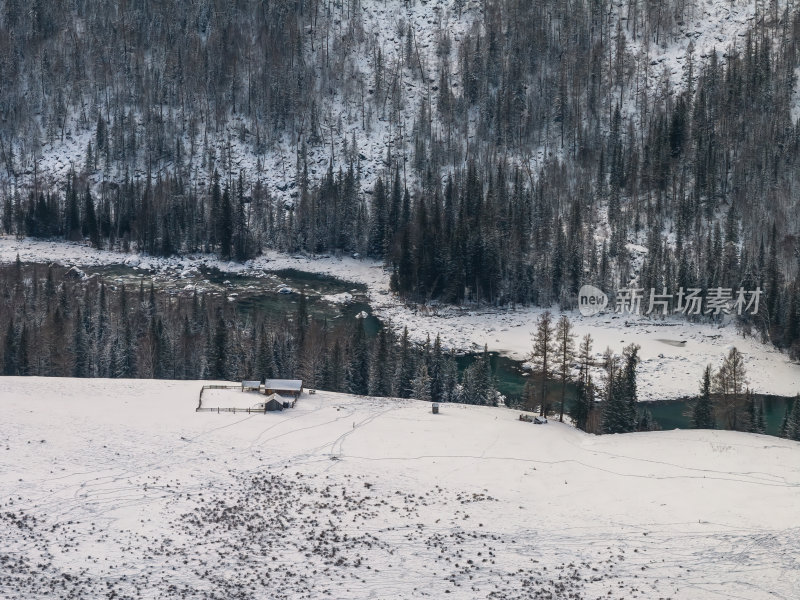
x: 581, y: 410
x: 380, y: 379
x: 761, y: 426
x: 218, y: 350
x: 90, y: 227
x: 793, y: 425
x: 783, y: 431
x: 226, y: 225
x: 80, y: 348
x: 23, y: 357
x: 404, y: 374
x: 437, y: 371
x: 628, y: 389
x: 358, y: 376
x: 422, y: 384
x: 702, y: 414
x: 616, y: 409
x: 10, y: 350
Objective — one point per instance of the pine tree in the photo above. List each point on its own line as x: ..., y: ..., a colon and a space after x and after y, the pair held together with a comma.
x: 583, y: 407
x: 380, y: 380
x: 218, y: 350
x: 752, y: 411
x: 240, y: 233
x: 358, y: 371
x: 23, y: 357
x: 702, y: 415
x: 301, y: 320
x: 72, y: 218
x: 793, y: 425
x: 80, y: 348
x: 437, y: 371
x: 422, y: 384
x: 226, y: 225
x: 619, y: 412
x: 783, y: 431
x: 10, y: 350
x: 761, y: 426
x: 91, y: 229
x: 630, y: 356
x: 404, y: 375
x: 377, y: 223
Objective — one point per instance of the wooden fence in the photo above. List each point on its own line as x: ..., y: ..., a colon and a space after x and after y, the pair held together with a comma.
x: 221, y: 387
x: 231, y: 410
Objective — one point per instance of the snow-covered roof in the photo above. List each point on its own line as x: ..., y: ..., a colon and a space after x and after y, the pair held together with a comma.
x: 251, y: 384
x: 293, y: 385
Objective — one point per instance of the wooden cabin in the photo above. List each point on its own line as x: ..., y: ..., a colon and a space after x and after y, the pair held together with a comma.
x: 251, y: 386
x: 283, y: 387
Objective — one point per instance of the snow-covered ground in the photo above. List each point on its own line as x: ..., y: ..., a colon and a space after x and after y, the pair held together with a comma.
x: 117, y: 488
x: 669, y: 369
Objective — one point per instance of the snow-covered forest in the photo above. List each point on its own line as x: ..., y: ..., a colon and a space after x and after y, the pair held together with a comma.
x: 502, y: 151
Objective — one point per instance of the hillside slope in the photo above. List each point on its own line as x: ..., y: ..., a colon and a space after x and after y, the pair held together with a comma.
x: 120, y: 487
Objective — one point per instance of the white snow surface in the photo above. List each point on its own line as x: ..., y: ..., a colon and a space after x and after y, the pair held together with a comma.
x: 120, y: 486
x: 667, y: 370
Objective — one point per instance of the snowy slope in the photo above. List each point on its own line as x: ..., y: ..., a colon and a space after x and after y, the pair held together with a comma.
x: 119, y: 487
x: 707, y: 26
x: 232, y: 152
x: 668, y: 369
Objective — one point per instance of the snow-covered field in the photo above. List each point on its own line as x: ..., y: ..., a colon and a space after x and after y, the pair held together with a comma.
x: 117, y: 488
x: 668, y: 370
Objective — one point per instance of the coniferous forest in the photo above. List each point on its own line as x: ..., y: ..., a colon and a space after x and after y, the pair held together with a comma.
x: 59, y: 324
x: 531, y: 151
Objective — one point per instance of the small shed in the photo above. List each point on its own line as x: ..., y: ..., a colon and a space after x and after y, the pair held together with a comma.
x: 539, y: 420
x: 284, y: 387
x: 435, y: 408
x: 251, y: 386
x: 273, y: 402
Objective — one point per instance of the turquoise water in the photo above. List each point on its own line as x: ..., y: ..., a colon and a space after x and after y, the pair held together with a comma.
x: 258, y: 292
x: 669, y: 414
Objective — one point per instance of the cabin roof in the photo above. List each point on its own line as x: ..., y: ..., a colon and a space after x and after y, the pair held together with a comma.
x: 294, y: 385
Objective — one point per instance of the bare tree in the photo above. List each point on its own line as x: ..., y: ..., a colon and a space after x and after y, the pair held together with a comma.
x: 730, y: 383
x: 542, y: 355
x: 565, y: 354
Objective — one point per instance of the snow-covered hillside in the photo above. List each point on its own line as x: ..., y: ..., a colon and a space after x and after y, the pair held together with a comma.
x: 119, y: 489
x: 660, y: 61
x: 230, y: 148
x: 674, y: 352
